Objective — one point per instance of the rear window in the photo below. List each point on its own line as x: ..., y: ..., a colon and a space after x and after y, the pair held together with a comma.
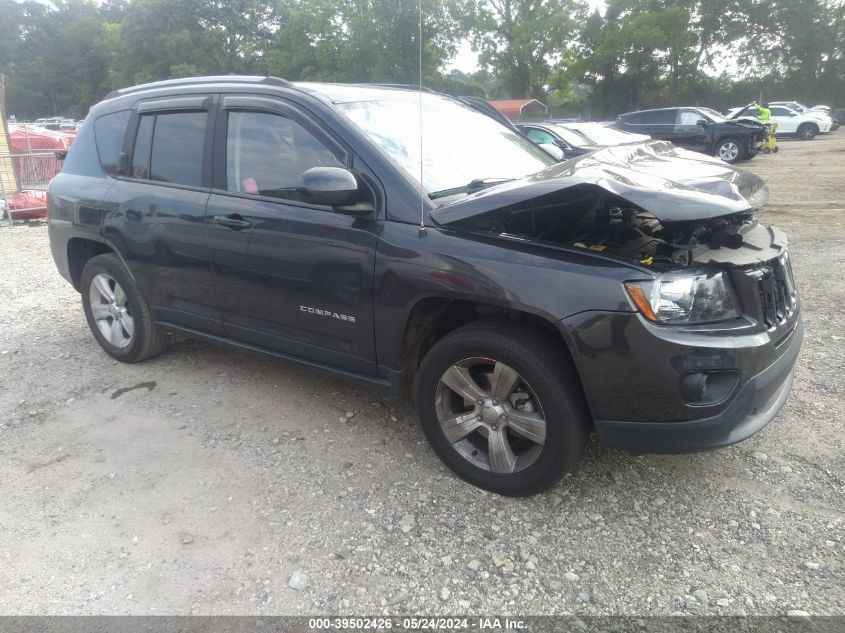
x: 169, y: 148
x: 109, y: 131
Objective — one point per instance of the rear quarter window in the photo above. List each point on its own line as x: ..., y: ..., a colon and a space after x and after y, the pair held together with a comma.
x: 109, y: 131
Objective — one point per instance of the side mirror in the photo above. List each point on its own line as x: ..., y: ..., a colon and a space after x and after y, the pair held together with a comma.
x: 329, y: 186
x: 554, y: 150
x: 701, y: 122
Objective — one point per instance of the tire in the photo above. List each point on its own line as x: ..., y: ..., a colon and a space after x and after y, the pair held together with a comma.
x: 807, y: 131
x: 729, y: 149
x: 117, y: 312
x: 545, y: 386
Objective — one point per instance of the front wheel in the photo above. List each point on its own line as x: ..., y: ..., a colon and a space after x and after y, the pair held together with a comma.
x: 729, y: 150
x: 502, y: 407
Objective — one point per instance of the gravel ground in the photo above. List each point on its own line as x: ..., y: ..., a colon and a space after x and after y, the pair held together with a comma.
x: 229, y: 484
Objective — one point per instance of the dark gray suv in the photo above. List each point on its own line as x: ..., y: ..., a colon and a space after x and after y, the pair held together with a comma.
x: 522, y: 303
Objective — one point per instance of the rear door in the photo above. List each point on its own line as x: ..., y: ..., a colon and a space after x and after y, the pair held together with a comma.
x: 160, y: 198
x: 292, y: 277
x: 658, y: 124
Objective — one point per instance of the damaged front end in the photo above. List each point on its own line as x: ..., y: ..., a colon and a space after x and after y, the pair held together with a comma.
x: 650, y: 204
x: 696, y: 347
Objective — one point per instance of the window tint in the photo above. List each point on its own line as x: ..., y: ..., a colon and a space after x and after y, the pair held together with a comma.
x: 177, y: 152
x: 109, y: 131
x: 659, y: 117
x: 266, y: 154
x: 780, y: 112
x: 689, y: 117
x: 143, y: 143
x: 540, y: 136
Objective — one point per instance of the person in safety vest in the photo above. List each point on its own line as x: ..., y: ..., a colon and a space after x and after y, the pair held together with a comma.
x: 763, y: 112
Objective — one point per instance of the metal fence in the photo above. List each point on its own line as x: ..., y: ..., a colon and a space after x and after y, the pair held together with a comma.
x: 31, y: 172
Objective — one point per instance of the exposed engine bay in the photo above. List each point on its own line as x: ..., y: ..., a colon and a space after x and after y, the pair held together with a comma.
x: 602, y: 222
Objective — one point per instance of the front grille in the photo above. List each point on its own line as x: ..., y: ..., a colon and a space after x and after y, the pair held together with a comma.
x: 776, y: 287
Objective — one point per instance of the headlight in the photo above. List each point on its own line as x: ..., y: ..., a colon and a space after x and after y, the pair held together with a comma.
x: 684, y: 298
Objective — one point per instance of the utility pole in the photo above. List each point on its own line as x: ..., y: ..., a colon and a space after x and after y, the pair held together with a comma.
x: 8, y: 177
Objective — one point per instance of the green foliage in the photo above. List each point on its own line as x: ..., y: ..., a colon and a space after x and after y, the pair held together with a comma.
x: 522, y: 40
x: 60, y: 58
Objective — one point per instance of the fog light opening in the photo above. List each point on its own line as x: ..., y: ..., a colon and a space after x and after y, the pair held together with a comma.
x: 708, y: 387
x: 694, y: 387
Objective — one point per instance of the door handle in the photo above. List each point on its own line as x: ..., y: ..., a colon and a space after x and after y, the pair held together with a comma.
x: 233, y: 221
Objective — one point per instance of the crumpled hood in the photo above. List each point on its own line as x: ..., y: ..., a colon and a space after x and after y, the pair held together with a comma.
x: 671, y: 183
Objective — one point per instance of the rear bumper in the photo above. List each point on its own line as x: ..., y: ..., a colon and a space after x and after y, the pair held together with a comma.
x: 756, y: 404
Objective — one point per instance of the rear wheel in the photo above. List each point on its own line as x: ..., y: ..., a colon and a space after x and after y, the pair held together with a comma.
x: 502, y: 407
x: 729, y: 149
x: 807, y: 131
x: 117, y: 312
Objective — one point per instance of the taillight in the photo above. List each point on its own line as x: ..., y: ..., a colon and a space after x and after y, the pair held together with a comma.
x: 47, y: 197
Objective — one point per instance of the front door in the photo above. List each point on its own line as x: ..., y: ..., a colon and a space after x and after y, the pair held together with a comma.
x: 291, y: 277
x: 786, y: 119
x: 689, y: 133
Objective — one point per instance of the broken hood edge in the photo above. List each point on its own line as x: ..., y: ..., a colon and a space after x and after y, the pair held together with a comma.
x: 673, y: 184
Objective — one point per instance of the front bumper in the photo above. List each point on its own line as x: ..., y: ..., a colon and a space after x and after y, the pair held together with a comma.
x: 751, y: 409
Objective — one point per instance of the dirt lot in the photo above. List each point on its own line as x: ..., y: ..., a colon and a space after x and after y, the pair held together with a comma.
x: 205, y: 489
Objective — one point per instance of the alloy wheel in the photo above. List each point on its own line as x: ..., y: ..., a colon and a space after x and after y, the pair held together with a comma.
x: 490, y: 415
x: 111, y: 311
x: 728, y: 151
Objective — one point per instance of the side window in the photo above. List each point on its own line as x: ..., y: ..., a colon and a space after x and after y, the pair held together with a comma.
x: 688, y: 117
x: 177, y: 152
x: 780, y: 112
x: 660, y: 117
x: 634, y: 119
x: 109, y: 131
x: 540, y: 136
x: 266, y: 153
x: 169, y: 148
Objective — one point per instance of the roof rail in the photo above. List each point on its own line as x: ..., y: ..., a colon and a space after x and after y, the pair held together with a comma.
x: 405, y: 86
x: 188, y: 81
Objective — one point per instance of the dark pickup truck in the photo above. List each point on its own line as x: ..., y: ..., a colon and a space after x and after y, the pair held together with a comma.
x: 523, y: 303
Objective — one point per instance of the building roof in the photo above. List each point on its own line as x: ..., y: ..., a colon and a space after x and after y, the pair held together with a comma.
x: 515, y: 107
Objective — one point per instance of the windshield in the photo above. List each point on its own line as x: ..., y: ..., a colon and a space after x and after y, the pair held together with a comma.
x: 460, y: 145
x: 573, y: 137
x: 603, y: 135
x: 716, y: 116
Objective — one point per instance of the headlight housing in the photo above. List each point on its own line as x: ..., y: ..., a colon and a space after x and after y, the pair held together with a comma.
x: 683, y: 298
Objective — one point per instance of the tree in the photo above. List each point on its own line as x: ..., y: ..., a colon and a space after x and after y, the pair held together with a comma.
x: 57, y: 68
x: 521, y: 40
x: 367, y: 40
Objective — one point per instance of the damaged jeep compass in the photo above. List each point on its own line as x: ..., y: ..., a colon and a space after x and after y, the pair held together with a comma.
x: 404, y: 240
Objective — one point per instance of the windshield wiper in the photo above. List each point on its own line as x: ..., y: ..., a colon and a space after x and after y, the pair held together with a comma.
x: 471, y: 187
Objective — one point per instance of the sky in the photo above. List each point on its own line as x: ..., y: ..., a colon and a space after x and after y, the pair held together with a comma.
x: 467, y: 61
